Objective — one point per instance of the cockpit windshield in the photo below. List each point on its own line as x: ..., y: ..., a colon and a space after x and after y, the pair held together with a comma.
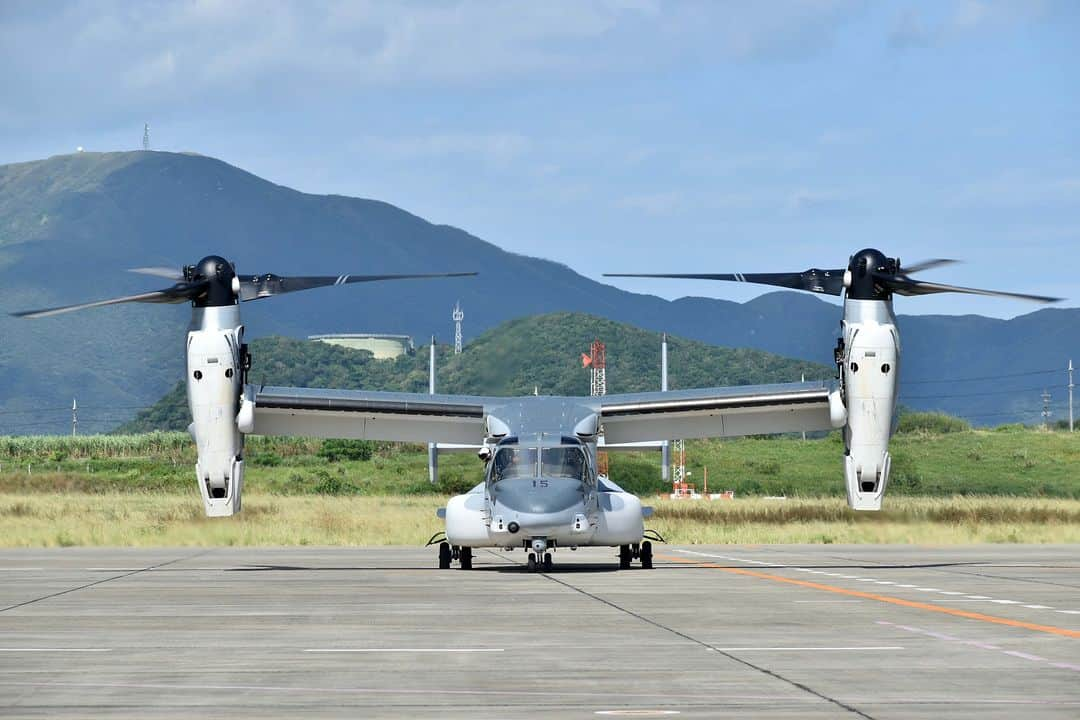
x: 567, y: 462
x: 513, y: 462
x: 564, y: 461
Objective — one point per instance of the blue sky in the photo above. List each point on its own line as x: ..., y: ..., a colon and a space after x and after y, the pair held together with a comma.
x: 609, y: 135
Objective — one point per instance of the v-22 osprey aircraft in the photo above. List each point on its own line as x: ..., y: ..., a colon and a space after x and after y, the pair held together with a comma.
x: 541, y: 490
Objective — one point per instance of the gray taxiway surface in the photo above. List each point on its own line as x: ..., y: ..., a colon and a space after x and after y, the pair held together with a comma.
x: 731, y: 631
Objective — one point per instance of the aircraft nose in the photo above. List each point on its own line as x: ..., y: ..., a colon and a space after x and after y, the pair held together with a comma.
x: 538, y: 495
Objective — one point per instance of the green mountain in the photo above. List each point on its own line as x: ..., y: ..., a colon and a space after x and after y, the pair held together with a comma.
x: 70, y: 225
x: 539, y: 353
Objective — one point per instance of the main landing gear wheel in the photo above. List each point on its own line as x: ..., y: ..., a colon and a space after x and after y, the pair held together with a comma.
x: 547, y: 562
x: 465, y: 555
x: 531, y: 565
x: 444, y: 556
x: 626, y: 556
x: 646, y: 555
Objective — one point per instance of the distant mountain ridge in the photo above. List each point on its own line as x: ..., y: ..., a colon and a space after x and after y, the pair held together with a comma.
x: 70, y: 225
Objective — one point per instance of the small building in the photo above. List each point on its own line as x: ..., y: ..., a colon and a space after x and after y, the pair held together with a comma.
x: 382, y: 345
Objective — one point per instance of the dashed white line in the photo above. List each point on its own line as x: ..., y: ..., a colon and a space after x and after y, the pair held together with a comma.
x: 981, y: 645
x: 55, y: 649
x: 955, y: 594
x: 404, y: 650
x: 814, y: 649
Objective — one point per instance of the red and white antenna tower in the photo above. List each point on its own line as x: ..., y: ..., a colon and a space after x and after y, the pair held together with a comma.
x: 597, y: 360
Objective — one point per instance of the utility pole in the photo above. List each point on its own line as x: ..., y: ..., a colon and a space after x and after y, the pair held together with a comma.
x: 665, y: 449
x: 1071, y: 386
x: 432, y: 448
x: 804, y: 432
x: 74, y: 416
x: 1046, y: 409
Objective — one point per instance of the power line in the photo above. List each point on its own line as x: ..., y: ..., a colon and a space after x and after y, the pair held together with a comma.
x: 984, y: 377
x: 974, y: 394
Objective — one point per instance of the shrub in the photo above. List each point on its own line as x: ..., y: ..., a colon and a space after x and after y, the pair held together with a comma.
x: 335, y: 450
x: 936, y: 423
x: 265, y: 459
x: 333, y: 485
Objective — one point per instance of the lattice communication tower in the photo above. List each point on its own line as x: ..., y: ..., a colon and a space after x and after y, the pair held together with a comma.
x: 598, y: 362
x: 146, y: 136
x: 458, y: 316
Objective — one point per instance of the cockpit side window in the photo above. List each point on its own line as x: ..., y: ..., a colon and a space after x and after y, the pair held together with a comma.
x: 513, y: 462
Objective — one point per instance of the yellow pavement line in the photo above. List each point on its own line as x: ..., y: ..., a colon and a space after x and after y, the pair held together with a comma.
x: 880, y: 598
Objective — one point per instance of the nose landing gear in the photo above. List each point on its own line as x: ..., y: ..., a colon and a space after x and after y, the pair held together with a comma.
x: 539, y: 559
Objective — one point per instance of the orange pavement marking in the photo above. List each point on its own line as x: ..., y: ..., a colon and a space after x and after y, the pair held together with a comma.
x: 882, y: 598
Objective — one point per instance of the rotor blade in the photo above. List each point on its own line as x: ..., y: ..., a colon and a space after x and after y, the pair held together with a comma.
x: 927, y: 265
x: 907, y: 286
x: 165, y: 272
x: 177, y: 293
x: 829, y: 282
x: 254, y: 287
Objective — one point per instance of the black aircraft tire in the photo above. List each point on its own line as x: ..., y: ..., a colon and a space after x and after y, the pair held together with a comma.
x: 646, y: 555
x: 625, y: 557
x: 444, y: 556
x: 547, y: 562
x: 466, y: 558
x: 532, y: 562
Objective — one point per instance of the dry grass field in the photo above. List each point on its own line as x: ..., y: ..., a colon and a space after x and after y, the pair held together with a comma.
x: 145, y: 519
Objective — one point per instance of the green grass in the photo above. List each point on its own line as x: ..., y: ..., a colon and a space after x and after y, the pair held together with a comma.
x: 1009, y: 485
x: 1009, y: 462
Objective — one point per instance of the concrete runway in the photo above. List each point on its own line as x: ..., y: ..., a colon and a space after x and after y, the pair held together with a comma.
x: 727, y: 631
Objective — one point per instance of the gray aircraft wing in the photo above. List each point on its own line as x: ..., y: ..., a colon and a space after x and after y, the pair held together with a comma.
x: 716, y: 412
x: 406, y: 417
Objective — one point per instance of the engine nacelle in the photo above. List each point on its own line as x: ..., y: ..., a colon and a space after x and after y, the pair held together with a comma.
x: 466, y: 520
x: 214, y: 382
x: 869, y: 373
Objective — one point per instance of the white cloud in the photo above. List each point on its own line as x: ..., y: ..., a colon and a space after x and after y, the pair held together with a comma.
x: 224, y: 50
x: 1017, y: 189
x: 498, y: 149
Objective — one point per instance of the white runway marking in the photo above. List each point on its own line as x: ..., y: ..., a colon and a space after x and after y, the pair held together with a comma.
x: 953, y: 595
x: 55, y: 649
x: 812, y: 649
x: 291, y: 689
x: 403, y: 650
x: 980, y: 645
